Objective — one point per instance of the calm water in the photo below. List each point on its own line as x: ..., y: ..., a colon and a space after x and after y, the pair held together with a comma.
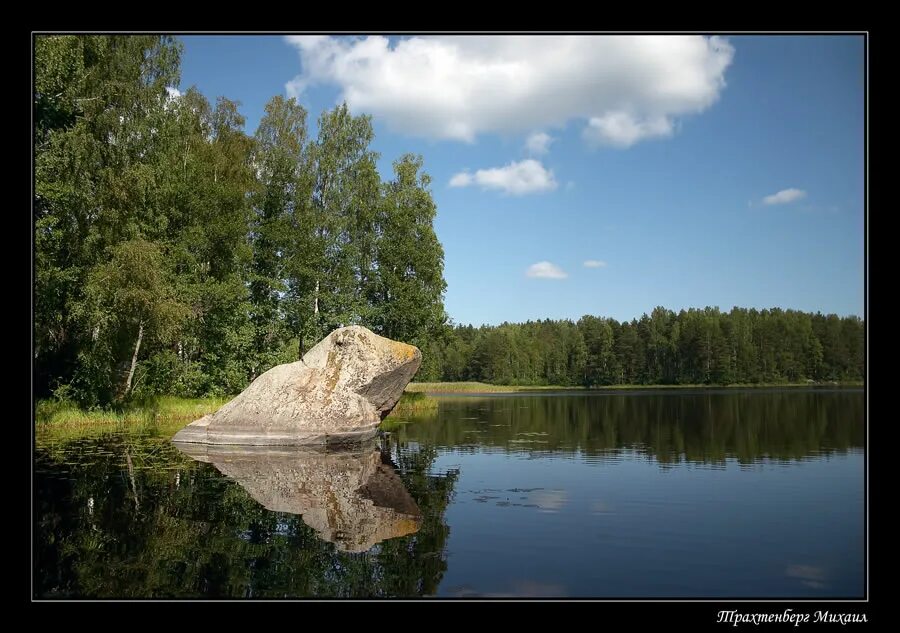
x: 751, y: 494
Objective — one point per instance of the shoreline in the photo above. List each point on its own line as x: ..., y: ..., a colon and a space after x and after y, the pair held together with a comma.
x: 169, y: 414
x: 472, y: 388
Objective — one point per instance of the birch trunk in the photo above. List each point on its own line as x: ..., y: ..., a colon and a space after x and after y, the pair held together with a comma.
x: 134, y: 357
x: 316, y: 307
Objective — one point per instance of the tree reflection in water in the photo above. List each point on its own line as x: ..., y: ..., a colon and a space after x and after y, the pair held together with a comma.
x: 126, y: 516
x: 182, y: 530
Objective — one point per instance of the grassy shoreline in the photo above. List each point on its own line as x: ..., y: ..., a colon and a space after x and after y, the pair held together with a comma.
x: 165, y: 415
x: 481, y: 387
x: 169, y: 414
x: 414, y: 402
x: 411, y: 407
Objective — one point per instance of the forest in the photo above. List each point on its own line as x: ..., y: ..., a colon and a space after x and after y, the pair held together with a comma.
x: 695, y: 346
x: 174, y: 253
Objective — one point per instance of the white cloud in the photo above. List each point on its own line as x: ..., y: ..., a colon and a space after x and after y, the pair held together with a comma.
x: 546, y: 270
x: 517, y: 178
x: 594, y: 263
x: 538, y: 143
x: 784, y: 196
x: 621, y: 129
x: 462, y: 179
x: 630, y: 87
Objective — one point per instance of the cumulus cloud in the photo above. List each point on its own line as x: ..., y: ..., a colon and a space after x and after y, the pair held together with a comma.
x: 546, y: 270
x: 462, y: 179
x: 538, y: 143
x: 173, y: 92
x: 517, y: 178
x: 784, y: 196
x: 627, y: 87
x: 621, y: 129
x: 594, y: 263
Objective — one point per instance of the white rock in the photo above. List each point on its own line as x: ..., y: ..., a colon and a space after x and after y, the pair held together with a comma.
x: 341, y: 390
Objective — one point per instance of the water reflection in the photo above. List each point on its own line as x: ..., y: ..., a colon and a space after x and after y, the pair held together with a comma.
x: 685, y: 495
x: 809, y: 575
x: 351, y: 497
x: 705, y: 428
x: 131, y: 516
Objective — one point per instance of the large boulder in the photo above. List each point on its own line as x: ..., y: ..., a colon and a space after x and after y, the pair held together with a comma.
x: 351, y: 497
x: 339, y: 392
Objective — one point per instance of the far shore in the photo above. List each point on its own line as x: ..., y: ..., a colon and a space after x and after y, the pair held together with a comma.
x: 482, y: 387
x: 169, y: 414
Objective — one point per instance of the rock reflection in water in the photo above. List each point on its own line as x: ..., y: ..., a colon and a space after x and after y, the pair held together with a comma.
x: 350, y: 497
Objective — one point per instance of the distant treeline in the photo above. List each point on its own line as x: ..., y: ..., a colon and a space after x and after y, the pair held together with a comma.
x: 689, y: 347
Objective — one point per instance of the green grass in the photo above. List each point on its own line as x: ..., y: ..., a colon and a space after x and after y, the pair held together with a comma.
x: 415, y: 401
x: 411, y: 407
x: 481, y: 387
x: 166, y: 415
x: 163, y: 414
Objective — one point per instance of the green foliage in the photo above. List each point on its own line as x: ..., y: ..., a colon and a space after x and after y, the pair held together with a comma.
x: 692, y: 347
x: 411, y: 403
x: 176, y: 254
x: 410, y: 280
x: 64, y: 420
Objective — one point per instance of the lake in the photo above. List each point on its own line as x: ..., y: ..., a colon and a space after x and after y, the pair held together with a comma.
x: 696, y: 494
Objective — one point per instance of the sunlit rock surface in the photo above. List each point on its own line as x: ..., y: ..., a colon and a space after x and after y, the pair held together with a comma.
x: 350, y: 497
x: 339, y: 392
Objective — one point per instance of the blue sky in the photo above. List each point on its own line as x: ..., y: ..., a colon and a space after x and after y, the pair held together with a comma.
x: 691, y: 171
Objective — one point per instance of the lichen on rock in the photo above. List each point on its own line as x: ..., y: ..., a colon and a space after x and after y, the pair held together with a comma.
x: 339, y: 392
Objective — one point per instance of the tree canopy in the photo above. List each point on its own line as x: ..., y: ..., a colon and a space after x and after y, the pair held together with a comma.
x: 175, y: 253
x: 693, y: 346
